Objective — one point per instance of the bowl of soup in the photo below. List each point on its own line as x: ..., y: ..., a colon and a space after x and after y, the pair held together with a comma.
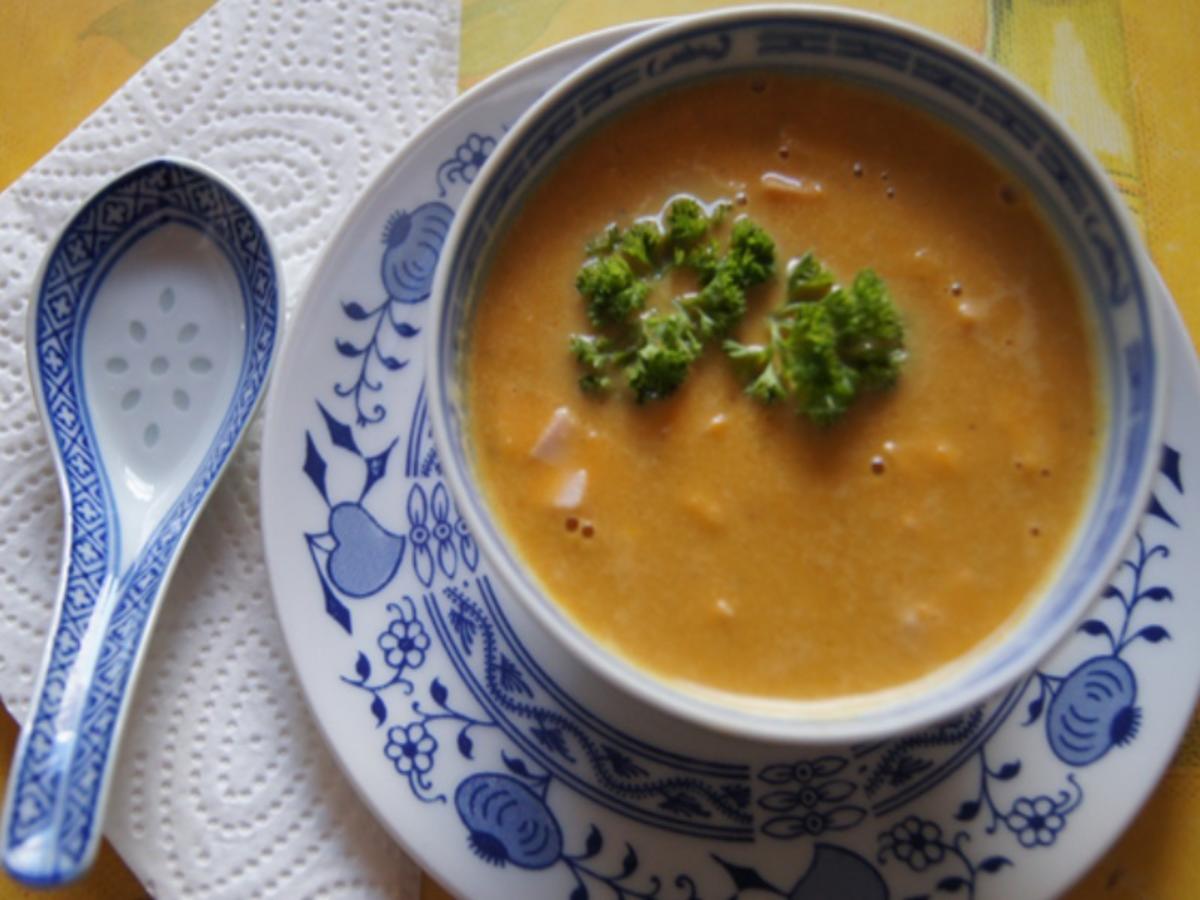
x: 781, y: 554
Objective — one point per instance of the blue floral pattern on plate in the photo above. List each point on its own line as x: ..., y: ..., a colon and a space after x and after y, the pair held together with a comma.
x: 519, y: 774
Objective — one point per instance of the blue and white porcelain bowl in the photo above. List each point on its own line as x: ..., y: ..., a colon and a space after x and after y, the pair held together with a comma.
x: 988, y: 108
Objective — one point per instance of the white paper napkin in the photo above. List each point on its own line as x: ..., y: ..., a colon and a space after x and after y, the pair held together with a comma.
x: 225, y: 788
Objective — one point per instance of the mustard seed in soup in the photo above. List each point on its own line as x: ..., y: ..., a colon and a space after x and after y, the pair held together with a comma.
x: 715, y: 540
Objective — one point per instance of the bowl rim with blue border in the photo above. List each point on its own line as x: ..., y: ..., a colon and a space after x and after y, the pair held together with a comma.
x: 997, y: 114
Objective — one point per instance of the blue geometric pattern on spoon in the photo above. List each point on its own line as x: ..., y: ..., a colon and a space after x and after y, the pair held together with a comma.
x: 150, y: 340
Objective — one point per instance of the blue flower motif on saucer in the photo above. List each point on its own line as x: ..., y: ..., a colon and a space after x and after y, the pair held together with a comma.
x: 921, y: 845
x: 1037, y: 820
x: 466, y: 162
x: 411, y: 748
x: 509, y: 822
x: 916, y: 843
x: 405, y: 642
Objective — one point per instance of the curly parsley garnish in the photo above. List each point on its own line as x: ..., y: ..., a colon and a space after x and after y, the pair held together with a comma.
x: 827, y: 343
x: 652, y: 349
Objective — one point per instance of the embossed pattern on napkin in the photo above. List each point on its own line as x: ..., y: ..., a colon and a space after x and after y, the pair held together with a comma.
x: 225, y: 788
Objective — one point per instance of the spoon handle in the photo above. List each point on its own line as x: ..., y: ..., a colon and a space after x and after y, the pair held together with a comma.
x: 60, y: 776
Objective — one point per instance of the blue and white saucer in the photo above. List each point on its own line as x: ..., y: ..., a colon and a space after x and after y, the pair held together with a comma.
x: 509, y: 770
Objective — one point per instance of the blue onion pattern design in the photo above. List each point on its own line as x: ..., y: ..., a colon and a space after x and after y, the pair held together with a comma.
x: 507, y: 822
x: 634, y: 782
x: 1093, y: 711
x: 413, y: 241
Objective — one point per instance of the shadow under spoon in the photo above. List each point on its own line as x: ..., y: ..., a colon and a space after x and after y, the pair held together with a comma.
x: 150, y: 340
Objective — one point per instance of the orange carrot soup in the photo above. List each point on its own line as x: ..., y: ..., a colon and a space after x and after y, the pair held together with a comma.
x: 718, y: 541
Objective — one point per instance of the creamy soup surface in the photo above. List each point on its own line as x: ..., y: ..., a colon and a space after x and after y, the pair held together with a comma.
x: 718, y: 542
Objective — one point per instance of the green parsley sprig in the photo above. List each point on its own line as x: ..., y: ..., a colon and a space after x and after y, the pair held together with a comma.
x: 828, y: 344
x: 653, y: 349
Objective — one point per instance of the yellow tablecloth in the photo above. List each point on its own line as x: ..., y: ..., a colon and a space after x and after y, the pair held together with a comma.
x: 1121, y: 71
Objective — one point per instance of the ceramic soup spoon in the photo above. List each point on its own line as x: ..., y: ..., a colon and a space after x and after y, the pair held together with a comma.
x: 150, y: 338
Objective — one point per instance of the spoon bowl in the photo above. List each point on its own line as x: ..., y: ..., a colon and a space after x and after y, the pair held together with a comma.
x: 150, y: 340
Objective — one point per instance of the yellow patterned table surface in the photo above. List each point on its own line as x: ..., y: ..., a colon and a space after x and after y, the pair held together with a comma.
x: 1121, y: 72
